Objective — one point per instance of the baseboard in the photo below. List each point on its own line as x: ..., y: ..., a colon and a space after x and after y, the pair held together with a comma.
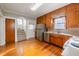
x: 31, y: 38
x: 3, y: 44
x: 21, y: 40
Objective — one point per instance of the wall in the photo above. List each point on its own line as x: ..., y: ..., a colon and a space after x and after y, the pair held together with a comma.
x: 71, y: 12
x: 30, y: 33
x: 2, y: 29
x: 5, y: 16
x: 13, y: 16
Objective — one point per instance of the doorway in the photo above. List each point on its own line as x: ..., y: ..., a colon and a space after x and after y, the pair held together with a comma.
x: 10, y: 30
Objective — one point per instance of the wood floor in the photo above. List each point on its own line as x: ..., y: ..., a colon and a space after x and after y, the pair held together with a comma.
x: 30, y: 47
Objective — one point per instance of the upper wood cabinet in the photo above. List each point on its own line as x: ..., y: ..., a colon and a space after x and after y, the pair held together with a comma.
x: 72, y: 16
x: 71, y: 12
x: 41, y: 20
x: 48, y: 20
x: 59, y: 11
x: 77, y: 15
x: 37, y: 20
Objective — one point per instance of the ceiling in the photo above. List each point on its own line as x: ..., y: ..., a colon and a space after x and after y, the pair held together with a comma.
x: 24, y: 9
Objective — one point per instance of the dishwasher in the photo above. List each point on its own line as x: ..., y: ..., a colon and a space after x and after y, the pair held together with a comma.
x: 46, y: 37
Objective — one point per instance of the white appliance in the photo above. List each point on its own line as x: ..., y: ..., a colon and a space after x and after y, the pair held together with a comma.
x: 71, y: 47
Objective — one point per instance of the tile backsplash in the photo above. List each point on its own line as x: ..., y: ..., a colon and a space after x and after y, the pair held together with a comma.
x: 72, y: 31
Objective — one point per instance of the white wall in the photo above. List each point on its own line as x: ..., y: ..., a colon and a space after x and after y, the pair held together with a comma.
x: 2, y: 29
x: 1, y: 13
x: 30, y: 33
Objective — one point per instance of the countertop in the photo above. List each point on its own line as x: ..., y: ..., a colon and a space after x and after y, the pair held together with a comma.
x: 51, y: 32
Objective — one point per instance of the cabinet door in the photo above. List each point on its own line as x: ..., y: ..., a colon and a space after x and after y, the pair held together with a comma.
x: 38, y: 20
x: 52, y: 40
x: 77, y: 15
x: 60, y: 42
x: 70, y: 16
x: 48, y: 20
x: 56, y: 40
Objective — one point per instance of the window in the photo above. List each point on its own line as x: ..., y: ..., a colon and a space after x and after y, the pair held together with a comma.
x: 19, y: 21
x: 31, y: 26
x: 59, y: 23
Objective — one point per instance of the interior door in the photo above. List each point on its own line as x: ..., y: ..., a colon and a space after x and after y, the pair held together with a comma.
x: 10, y: 30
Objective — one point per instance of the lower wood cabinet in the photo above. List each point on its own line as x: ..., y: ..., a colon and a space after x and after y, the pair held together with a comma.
x: 58, y: 40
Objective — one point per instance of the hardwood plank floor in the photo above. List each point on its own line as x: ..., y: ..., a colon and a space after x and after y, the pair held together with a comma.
x: 30, y: 47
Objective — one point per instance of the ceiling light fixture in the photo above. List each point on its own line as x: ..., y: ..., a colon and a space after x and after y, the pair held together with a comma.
x: 36, y: 6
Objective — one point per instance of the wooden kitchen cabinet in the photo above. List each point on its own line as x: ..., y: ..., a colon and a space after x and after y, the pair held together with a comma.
x: 77, y: 15
x: 48, y: 21
x: 72, y: 15
x: 41, y: 20
x: 58, y: 39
